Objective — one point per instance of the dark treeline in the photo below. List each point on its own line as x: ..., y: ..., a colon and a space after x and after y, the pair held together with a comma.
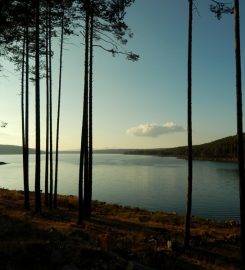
x: 14, y: 150
x: 222, y: 149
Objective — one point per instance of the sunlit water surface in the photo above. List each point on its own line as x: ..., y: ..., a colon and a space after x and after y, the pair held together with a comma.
x: 153, y: 183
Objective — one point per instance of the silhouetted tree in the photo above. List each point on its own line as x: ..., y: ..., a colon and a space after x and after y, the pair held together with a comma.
x: 109, y: 16
x: 58, y: 112
x: 23, y: 112
x: 37, y: 108
x: 87, y: 120
x: 16, y: 43
x: 24, y: 15
x: 47, y: 107
x: 50, y: 106
x: 240, y: 128
x: 88, y: 198
x: 219, y: 8
x: 26, y: 159
x: 68, y: 20
x: 18, y: 17
x: 103, y: 17
x: 83, y: 168
x: 189, y: 192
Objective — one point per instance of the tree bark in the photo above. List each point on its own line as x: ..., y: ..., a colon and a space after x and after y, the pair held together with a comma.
x: 23, y: 119
x: 86, y: 124
x: 58, y: 113
x: 189, y: 192
x: 90, y: 157
x: 240, y: 128
x: 47, y: 114
x: 83, y: 168
x: 50, y: 113
x: 37, y: 105
x: 27, y: 203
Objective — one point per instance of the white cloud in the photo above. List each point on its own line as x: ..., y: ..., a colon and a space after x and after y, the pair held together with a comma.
x: 154, y: 130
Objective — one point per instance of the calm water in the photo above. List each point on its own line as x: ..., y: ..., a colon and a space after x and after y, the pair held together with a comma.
x: 154, y: 183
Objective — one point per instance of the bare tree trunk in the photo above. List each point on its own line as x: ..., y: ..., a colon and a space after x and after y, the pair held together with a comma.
x: 23, y: 117
x: 90, y: 158
x: 37, y: 105
x: 27, y: 203
x: 83, y: 169
x: 50, y: 112
x: 240, y: 129
x: 58, y: 113
x: 86, y: 127
x: 189, y: 192
x: 25, y: 110
x: 47, y: 114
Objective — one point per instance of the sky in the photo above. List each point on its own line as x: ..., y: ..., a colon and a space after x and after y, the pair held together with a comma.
x: 142, y: 104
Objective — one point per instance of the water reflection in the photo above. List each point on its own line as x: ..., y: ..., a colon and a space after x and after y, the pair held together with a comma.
x: 149, y: 182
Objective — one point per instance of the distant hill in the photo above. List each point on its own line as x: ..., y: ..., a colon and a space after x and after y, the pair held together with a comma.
x: 112, y: 151
x: 98, y: 151
x: 223, y: 149
x: 69, y: 152
x: 13, y: 150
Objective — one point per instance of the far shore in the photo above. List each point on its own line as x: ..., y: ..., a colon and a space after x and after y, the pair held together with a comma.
x: 3, y: 163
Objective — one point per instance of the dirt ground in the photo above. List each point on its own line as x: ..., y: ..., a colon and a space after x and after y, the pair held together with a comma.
x: 115, y: 237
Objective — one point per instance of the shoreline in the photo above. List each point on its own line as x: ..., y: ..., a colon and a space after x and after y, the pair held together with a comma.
x: 232, y: 219
x: 115, y: 237
x: 226, y: 160
x: 98, y: 152
x: 74, y: 198
x: 3, y: 163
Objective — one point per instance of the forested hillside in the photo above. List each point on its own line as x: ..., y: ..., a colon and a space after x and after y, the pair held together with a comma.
x: 222, y: 149
x: 13, y: 150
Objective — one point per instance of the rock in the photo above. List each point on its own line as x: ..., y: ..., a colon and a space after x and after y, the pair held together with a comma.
x: 169, y: 245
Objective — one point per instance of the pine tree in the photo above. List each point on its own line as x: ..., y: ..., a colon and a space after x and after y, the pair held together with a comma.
x: 189, y: 192
x: 37, y: 107
x: 240, y: 128
x: 58, y: 112
x: 83, y: 168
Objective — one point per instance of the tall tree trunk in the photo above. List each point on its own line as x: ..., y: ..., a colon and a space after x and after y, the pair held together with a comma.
x: 37, y: 105
x: 240, y: 128
x: 23, y: 115
x: 90, y: 158
x: 50, y: 112
x: 58, y: 113
x: 27, y: 203
x: 86, y: 124
x: 83, y: 169
x: 47, y: 113
x: 189, y: 192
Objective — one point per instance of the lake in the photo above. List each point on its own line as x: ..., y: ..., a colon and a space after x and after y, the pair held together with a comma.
x: 153, y: 183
